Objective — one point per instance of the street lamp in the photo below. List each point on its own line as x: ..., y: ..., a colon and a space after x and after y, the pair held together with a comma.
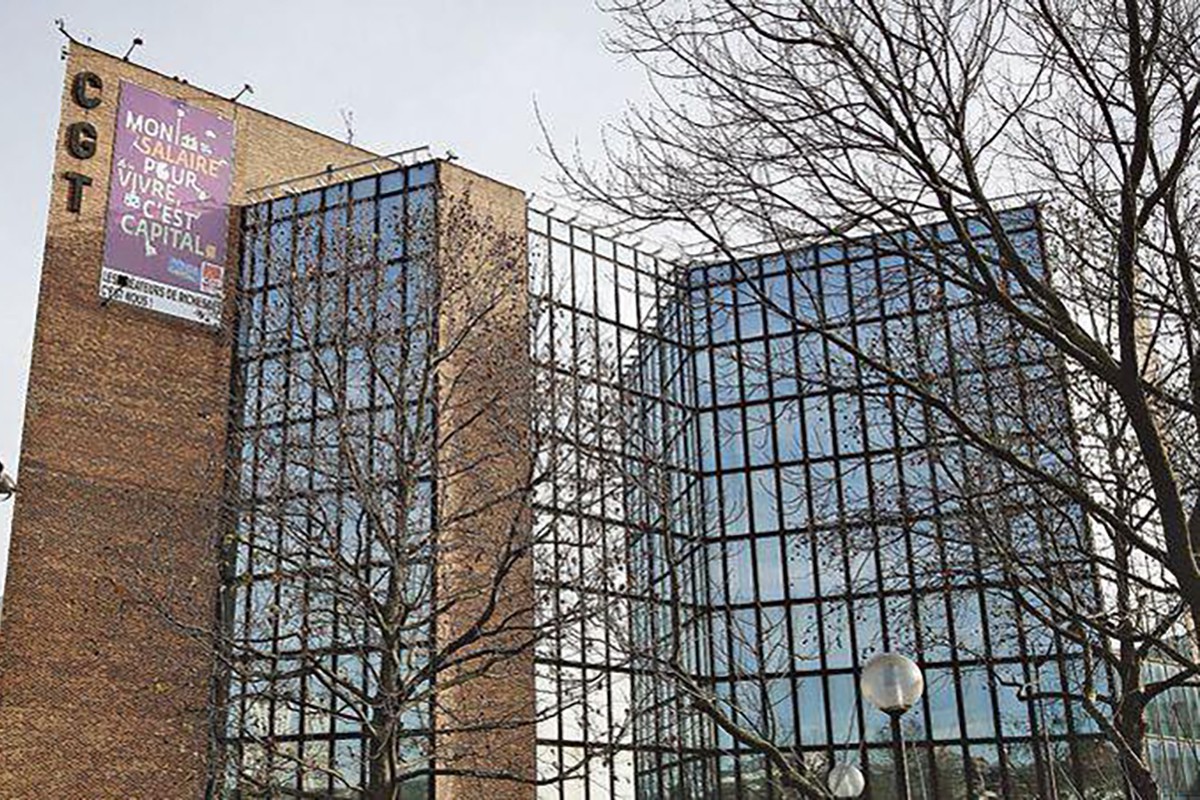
x: 894, y: 684
x: 845, y: 780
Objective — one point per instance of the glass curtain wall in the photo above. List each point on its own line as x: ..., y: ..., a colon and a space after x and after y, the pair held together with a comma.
x: 1173, y: 724
x: 606, y: 331
x: 331, y: 495
x: 786, y: 513
x: 840, y: 532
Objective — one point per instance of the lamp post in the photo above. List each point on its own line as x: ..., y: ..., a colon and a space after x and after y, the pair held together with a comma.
x: 845, y: 780
x: 894, y: 684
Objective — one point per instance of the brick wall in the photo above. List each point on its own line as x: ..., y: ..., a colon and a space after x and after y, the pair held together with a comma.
x: 121, y: 467
x: 484, y: 716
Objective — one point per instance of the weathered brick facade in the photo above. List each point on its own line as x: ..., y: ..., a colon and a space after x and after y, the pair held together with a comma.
x: 106, y: 674
x: 121, y: 467
x: 484, y: 413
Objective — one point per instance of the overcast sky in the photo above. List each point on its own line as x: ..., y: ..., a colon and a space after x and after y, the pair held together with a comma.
x: 458, y: 74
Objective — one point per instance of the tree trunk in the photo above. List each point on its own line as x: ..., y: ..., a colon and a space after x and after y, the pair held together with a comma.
x: 381, y: 775
x: 381, y: 760
x: 1131, y: 722
x: 1142, y: 785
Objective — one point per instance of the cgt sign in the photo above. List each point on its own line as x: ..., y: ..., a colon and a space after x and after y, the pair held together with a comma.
x: 167, y: 224
x: 86, y: 91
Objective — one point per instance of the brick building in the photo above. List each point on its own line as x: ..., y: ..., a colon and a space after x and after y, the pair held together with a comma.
x: 106, y: 672
x: 280, y: 383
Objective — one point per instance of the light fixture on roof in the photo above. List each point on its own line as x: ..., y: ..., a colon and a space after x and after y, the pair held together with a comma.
x: 137, y: 42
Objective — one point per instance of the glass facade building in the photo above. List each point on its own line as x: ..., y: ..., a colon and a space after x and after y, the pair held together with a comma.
x: 798, y: 513
x: 737, y: 489
x: 834, y: 521
x: 705, y: 482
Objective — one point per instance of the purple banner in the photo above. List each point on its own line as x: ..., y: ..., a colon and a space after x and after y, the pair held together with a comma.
x: 166, y: 233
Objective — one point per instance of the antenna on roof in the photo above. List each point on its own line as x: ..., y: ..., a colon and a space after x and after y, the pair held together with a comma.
x: 245, y: 88
x: 61, y: 24
x: 137, y: 42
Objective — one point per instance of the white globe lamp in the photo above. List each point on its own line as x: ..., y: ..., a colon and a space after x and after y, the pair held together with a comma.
x: 892, y: 683
x: 846, y: 780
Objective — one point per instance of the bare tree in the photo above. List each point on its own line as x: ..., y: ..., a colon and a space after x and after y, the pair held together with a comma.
x: 672, y: 574
x: 629, y: 469
x: 379, y: 614
x: 808, y: 121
